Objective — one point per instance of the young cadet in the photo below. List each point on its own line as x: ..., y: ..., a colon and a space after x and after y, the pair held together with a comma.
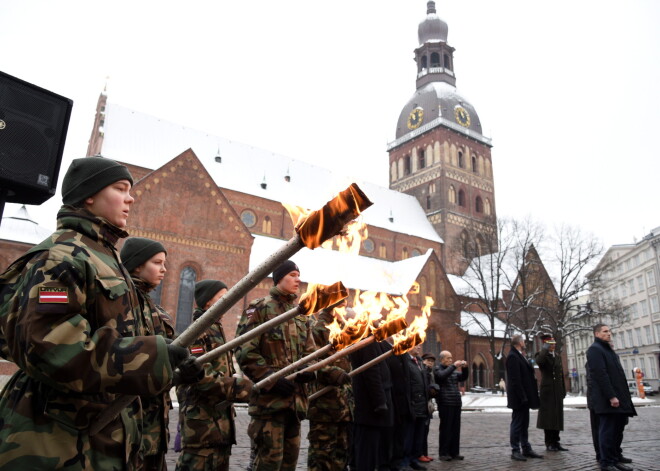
x: 207, y: 431
x: 70, y: 319
x: 276, y: 413
x: 145, y: 261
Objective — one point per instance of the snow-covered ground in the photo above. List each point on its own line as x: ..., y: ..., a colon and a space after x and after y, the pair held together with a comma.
x: 497, y: 403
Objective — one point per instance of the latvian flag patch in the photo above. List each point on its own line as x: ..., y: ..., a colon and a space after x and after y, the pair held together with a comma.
x: 53, y: 295
x: 196, y: 350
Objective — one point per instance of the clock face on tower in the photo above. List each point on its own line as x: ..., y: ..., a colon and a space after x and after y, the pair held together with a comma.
x: 462, y: 116
x: 415, y: 118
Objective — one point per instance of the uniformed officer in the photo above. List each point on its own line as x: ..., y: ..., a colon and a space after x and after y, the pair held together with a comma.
x: 145, y: 261
x: 276, y: 413
x: 70, y: 318
x: 330, y: 415
x: 207, y: 431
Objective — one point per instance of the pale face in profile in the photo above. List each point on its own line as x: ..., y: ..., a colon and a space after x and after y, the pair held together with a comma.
x: 112, y: 203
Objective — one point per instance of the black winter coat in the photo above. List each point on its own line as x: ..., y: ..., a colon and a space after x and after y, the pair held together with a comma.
x: 401, y: 393
x: 448, y: 378
x: 553, y: 391
x: 521, y: 388
x: 607, y: 380
x: 372, y: 387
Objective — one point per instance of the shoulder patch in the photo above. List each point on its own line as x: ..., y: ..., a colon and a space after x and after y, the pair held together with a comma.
x: 197, y: 350
x: 53, y: 295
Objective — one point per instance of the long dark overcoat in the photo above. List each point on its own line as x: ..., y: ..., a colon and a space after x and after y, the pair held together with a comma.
x: 521, y: 388
x: 607, y: 380
x: 552, y: 391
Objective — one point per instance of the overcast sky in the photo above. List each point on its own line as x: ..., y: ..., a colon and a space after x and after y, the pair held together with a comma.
x: 567, y: 90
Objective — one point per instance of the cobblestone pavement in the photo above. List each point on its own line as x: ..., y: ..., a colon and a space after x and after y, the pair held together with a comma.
x: 484, y: 442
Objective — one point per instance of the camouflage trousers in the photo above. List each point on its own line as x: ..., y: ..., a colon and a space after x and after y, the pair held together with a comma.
x: 204, y: 459
x: 329, y: 446
x: 277, y: 440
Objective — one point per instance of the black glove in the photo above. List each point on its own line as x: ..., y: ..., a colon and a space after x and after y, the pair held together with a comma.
x: 176, y: 354
x: 342, y: 378
x: 283, y: 387
x: 305, y: 377
x: 381, y: 409
x: 189, y: 371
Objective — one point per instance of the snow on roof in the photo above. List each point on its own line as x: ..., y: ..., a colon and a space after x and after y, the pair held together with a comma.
x: 140, y: 139
x: 355, y: 272
x: 476, y: 323
x: 21, y: 228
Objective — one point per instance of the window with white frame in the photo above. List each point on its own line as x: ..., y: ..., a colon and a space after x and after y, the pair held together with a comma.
x: 640, y: 283
x: 638, y: 336
x: 644, y: 307
x: 657, y: 332
x: 654, y: 303
x: 625, y: 367
x: 631, y: 286
x: 649, y: 336
x: 653, y: 371
x: 630, y: 339
x: 650, y: 278
x: 633, y: 311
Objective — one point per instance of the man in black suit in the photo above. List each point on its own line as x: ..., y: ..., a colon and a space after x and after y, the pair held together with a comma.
x: 522, y: 395
x: 609, y: 397
x: 374, y: 412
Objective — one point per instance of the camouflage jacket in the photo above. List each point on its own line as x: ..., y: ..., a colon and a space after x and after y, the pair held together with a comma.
x: 273, y: 350
x: 337, y: 404
x: 70, y: 319
x: 204, y: 422
x: 156, y: 409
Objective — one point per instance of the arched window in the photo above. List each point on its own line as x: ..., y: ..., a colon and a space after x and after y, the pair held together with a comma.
x: 475, y: 168
x: 424, y: 62
x: 447, y: 62
x: 435, y: 59
x: 461, y: 198
x: 406, y: 165
x: 184, y: 306
x: 156, y: 294
x: 382, y: 251
x: 482, y: 376
x: 421, y: 160
x: 487, y: 207
x: 266, y: 225
x: 452, y: 194
x: 479, y: 205
x: 404, y: 253
x: 461, y: 160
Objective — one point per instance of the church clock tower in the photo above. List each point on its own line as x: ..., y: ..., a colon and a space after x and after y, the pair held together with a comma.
x: 440, y: 154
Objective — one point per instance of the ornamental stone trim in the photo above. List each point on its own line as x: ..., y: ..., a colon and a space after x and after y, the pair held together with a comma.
x: 185, y: 241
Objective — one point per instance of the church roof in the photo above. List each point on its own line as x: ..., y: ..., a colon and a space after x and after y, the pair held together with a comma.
x: 21, y: 228
x: 355, y: 272
x: 478, y: 324
x: 139, y: 139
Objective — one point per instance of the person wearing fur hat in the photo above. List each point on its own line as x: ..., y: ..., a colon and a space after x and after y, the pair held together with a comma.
x: 552, y: 393
x: 275, y: 413
x: 71, y: 321
x: 208, y: 432
x: 145, y: 261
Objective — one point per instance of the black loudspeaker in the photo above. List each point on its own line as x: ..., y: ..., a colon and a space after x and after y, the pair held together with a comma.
x: 33, y: 126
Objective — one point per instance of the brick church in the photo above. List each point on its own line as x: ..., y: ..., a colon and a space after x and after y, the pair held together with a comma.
x: 217, y: 205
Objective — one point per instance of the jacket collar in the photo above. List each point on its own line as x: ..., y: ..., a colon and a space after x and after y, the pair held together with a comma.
x: 94, y: 227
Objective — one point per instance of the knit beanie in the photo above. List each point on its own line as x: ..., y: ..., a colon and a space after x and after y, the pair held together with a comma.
x: 138, y: 250
x: 205, y: 290
x: 89, y: 175
x: 283, y: 270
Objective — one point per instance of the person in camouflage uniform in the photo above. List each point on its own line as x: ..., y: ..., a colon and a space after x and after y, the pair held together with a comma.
x: 208, y: 431
x: 276, y: 413
x: 145, y: 261
x: 330, y: 415
x: 70, y: 319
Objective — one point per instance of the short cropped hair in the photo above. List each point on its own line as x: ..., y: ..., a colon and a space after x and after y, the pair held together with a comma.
x: 517, y: 340
x: 598, y: 328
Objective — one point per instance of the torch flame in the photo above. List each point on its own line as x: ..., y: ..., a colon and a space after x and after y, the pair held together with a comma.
x: 319, y: 297
x: 415, y: 333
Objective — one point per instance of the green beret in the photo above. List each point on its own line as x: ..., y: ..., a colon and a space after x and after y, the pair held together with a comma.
x: 205, y: 290
x: 138, y: 250
x: 89, y: 175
